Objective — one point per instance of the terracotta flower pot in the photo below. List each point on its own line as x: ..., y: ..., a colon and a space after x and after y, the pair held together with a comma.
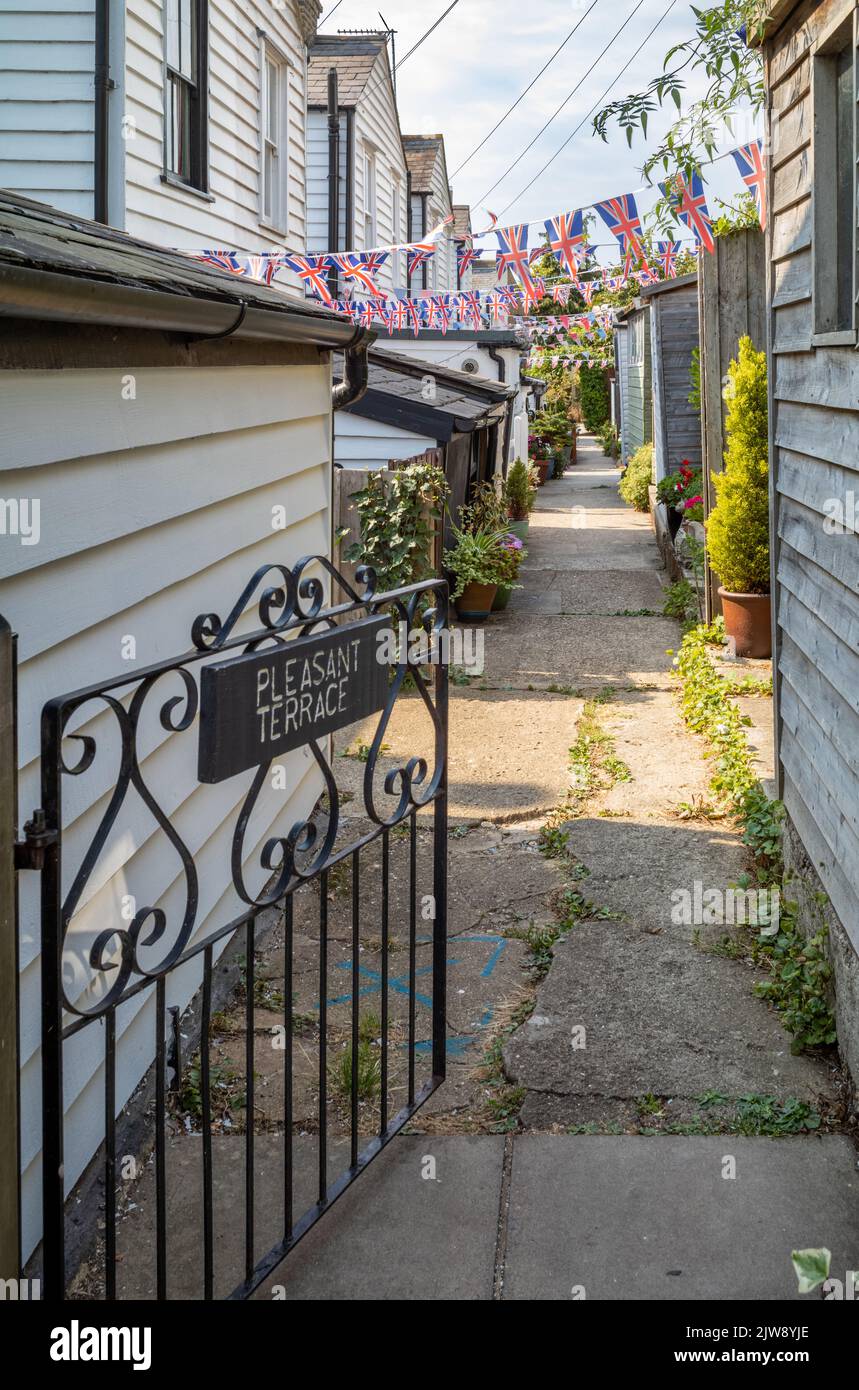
x: 475, y: 602
x: 542, y: 467
x: 747, y: 621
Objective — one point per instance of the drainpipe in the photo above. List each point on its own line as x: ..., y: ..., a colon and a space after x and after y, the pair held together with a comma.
x: 496, y: 356
x: 409, y: 220
x: 350, y: 179
x: 423, y: 234
x: 333, y: 175
x: 355, y: 371
x: 103, y: 87
x: 502, y: 365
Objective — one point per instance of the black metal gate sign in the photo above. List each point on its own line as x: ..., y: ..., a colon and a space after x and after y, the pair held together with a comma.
x: 339, y: 891
x: 256, y: 707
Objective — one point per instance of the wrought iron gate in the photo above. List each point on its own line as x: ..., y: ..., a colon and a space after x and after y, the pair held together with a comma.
x: 92, y: 991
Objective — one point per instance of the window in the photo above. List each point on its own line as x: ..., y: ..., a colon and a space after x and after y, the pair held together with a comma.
x: 369, y: 200
x: 834, y: 185
x: 397, y: 236
x: 636, y: 340
x: 185, y: 113
x: 275, y: 77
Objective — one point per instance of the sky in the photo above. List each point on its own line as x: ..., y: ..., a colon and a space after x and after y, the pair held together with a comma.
x: 482, y: 56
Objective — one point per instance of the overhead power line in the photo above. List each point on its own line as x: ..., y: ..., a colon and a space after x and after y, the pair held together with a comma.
x: 522, y: 95
x: 482, y: 199
x: 598, y: 101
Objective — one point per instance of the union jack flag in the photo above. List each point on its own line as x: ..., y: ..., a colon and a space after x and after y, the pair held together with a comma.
x: 588, y: 289
x: 439, y: 312
x: 416, y: 256
x: 314, y: 273
x: 497, y: 306
x: 262, y: 266
x: 513, y: 256
x: 752, y: 165
x: 567, y: 239
x: 399, y: 314
x: 621, y: 217
x: 469, y: 307
x: 689, y: 203
x: 360, y: 268
x: 667, y: 253
x: 465, y: 254
x: 561, y: 293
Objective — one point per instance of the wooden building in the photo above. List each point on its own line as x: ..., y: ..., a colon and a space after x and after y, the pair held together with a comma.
x: 167, y: 469
x: 357, y: 181
x: 182, y: 124
x: 633, y: 351
x: 810, y: 65
x: 430, y: 204
x: 673, y: 339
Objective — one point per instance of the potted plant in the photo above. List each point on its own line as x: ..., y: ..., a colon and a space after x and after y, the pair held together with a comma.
x: 520, y: 495
x: 738, y: 525
x: 512, y: 554
x: 538, y: 455
x: 681, y: 494
x: 476, y: 563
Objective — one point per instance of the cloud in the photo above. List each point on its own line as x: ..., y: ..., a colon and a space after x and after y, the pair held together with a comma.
x: 481, y: 57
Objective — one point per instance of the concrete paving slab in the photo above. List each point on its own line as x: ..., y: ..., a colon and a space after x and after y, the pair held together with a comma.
x: 657, y: 1219
x: 397, y: 1234
x: 659, y: 1019
x: 580, y: 651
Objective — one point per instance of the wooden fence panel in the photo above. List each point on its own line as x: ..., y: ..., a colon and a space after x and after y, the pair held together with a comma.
x: 731, y: 304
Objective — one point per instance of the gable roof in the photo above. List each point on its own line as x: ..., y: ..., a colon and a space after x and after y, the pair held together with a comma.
x: 461, y: 220
x: 421, y: 154
x: 353, y: 55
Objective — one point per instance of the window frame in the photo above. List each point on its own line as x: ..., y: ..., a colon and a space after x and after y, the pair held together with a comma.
x: 635, y: 345
x: 197, y: 88
x: 371, y: 205
x: 827, y: 331
x: 269, y: 53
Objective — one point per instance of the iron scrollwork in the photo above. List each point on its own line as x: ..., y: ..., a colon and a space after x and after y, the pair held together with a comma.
x: 125, y: 956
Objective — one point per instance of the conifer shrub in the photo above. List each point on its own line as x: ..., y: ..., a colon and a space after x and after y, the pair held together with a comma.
x: 637, y: 478
x: 738, y: 526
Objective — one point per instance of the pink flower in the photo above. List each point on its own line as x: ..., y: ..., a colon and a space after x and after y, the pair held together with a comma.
x: 692, y: 502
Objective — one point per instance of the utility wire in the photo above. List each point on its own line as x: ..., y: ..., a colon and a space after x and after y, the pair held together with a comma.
x: 482, y: 199
x: 522, y: 95
x: 599, y: 99
x: 327, y: 16
x: 406, y: 56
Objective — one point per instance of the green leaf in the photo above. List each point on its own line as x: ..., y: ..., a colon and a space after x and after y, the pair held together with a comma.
x: 811, y: 1267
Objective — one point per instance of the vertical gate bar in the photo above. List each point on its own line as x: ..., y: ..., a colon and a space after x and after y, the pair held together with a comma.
x: 287, y: 1075
x: 439, y: 948
x: 323, y: 1035
x: 249, y: 1098
x: 10, y: 1041
x: 356, y: 915
x: 206, y: 1100
x: 53, y: 1182
x: 160, y: 1144
x: 413, y: 888
x: 110, y: 1155
x: 386, y: 876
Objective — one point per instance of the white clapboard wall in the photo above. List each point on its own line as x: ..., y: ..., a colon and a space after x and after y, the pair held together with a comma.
x: 47, y: 53
x: 815, y: 441
x: 377, y: 131
x: 152, y: 511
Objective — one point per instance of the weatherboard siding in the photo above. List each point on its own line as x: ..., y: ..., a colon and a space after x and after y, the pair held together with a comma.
x: 673, y: 338
x: 47, y: 52
x: 152, y: 512
x: 815, y: 433
x: 173, y: 216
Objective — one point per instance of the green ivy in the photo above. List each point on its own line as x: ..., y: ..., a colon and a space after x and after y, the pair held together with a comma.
x: 398, y: 512
x: 800, y: 972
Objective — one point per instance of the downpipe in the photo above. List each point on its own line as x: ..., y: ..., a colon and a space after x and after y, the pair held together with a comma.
x: 355, y: 373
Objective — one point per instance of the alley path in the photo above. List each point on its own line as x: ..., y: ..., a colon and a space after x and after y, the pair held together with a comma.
x: 587, y: 1197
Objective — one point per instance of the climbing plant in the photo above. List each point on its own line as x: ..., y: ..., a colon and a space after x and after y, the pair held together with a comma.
x: 398, y: 512
x: 593, y: 393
